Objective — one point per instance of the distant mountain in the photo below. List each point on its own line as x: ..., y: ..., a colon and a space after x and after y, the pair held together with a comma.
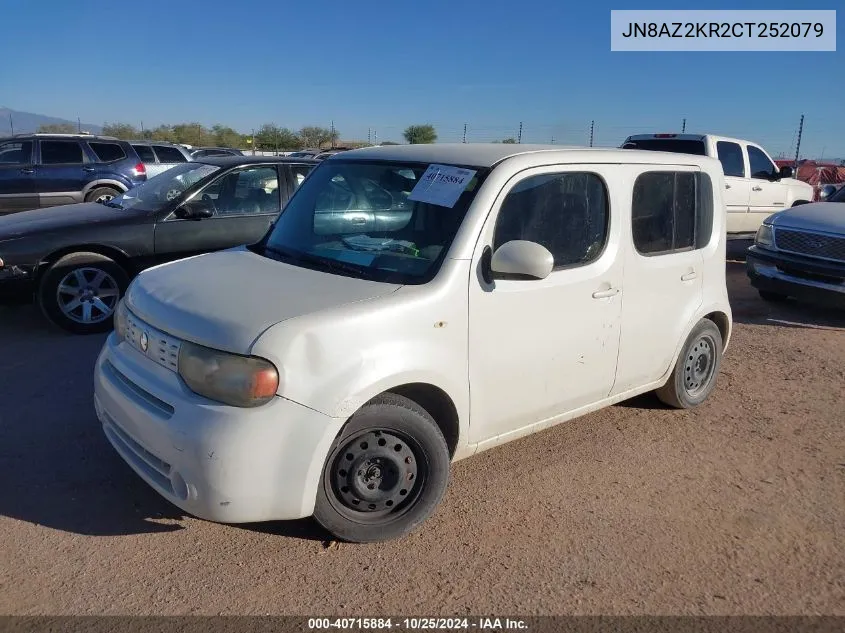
x: 29, y: 122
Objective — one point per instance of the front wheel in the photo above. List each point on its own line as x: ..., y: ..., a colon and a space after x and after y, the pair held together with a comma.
x: 694, y: 375
x: 385, y: 474
x: 79, y: 293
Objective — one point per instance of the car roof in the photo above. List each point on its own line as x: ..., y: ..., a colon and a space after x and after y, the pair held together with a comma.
x: 146, y: 141
x: 229, y: 161
x: 490, y: 154
x: 87, y: 137
x: 686, y: 137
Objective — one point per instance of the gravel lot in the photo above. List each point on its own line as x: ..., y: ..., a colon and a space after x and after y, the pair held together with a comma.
x: 733, y: 508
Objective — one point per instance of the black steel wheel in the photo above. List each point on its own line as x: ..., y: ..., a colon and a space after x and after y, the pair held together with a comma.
x: 385, y: 473
x: 694, y: 374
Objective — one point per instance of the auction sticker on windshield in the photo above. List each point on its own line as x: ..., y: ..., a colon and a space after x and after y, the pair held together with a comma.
x: 442, y: 185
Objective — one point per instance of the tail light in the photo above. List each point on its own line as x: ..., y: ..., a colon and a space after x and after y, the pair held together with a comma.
x: 139, y: 170
x: 665, y: 135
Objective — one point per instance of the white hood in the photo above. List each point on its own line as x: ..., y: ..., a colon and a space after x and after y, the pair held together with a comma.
x: 226, y: 300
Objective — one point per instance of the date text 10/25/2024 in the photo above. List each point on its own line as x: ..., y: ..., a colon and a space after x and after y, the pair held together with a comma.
x: 417, y: 624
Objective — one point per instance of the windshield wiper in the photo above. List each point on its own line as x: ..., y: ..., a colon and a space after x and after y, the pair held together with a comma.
x: 320, y: 262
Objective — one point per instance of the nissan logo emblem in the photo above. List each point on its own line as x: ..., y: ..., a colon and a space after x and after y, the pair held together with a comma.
x: 145, y: 341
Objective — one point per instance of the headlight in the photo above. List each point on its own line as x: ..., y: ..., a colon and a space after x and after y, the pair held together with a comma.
x: 241, y: 381
x: 120, y: 320
x: 765, y: 236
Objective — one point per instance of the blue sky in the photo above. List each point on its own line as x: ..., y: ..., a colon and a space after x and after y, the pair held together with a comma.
x: 384, y: 65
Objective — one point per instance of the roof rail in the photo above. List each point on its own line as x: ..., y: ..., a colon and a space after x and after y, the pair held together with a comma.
x: 73, y: 135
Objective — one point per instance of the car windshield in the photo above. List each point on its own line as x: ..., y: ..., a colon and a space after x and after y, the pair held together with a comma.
x: 164, y: 188
x: 374, y: 220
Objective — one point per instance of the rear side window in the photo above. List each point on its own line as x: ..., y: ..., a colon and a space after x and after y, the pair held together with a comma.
x: 676, y: 146
x: 567, y: 213
x: 145, y: 153
x: 299, y: 173
x: 16, y: 153
x: 730, y: 155
x: 108, y: 152
x: 61, y: 153
x: 671, y: 211
x: 169, y: 154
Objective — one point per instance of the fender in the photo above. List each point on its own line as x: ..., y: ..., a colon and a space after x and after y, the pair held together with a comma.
x: 703, y: 310
x: 104, y: 182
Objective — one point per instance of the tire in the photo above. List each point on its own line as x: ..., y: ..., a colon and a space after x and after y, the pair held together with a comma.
x: 399, y: 472
x: 79, y: 280
x: 773, y: 297
x: 103, y: 194
x: 695, y: 371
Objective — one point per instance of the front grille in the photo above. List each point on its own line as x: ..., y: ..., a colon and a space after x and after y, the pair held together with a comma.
x: 160, y: 347
x: 155, y: 468
x: 811, y: 244
x: 141, y: 397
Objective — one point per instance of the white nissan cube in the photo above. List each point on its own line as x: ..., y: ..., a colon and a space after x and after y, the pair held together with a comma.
x: 410, y: 307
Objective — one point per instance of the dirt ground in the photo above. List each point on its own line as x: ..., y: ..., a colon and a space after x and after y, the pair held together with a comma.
x: 737, y: 507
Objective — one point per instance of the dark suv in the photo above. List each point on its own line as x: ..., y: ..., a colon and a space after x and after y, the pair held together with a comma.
x: 45, y: 170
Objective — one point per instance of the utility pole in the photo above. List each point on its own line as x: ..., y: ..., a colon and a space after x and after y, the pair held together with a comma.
x: 553, y: 140
x: 519, y: 136
x: 253, y: 141
x: 78, y: 125
x: 375, y: 137
x: 684, y: 126
x: 592, y: 129
x: 11, y: 124
x: 798, y: 144
x: 465, y: 132
x: 142, y: 129
x: 199, y: 134
x: 332, y: 134
x: 369, y: 136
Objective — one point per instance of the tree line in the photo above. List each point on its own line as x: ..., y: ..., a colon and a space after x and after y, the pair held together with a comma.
x: 268, y: 137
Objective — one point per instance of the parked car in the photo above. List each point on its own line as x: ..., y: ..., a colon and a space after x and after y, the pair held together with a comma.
x: 45, y: 170
x: 800, y: 253
x: 754, y: 187
x: 832, y: 193
x: 327, y: 371
x: 204, y: 152
x: 328, y: 153
x: 159, y: 156
x: 305, y: 153
x: 77, y: 260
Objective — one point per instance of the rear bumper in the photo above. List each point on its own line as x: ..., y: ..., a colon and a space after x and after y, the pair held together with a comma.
x: 801, y: 278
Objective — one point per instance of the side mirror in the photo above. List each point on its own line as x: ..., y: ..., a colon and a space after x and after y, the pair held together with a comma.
x: 194, y: 210
x: 785, y: 172
x: 826, y: 192
x: 520, y: 257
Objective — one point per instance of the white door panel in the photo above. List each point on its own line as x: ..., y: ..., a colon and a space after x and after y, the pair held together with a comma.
x: 540, y: 348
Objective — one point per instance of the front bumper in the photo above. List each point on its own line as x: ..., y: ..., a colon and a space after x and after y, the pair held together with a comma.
x: 799, y: 277
x: 217, y: 462
x: 16, y: 281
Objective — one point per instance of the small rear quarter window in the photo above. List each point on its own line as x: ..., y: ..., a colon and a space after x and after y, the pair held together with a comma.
x: 108, y: 152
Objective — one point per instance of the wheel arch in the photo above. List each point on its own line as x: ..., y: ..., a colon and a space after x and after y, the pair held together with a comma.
x: 104, y: 182
x: 120, y: 257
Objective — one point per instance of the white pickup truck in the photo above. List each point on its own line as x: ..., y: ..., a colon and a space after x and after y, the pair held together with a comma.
x: 754, y: 187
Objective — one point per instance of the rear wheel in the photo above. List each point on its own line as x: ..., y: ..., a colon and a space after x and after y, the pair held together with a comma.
x: 694, y: 375
x: 79, y: 293
x: 385, y: 473
x: 101, y: 194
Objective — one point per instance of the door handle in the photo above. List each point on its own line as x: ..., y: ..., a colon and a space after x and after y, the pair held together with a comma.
x: 756, y: 188
x: 727, y: 186
x: 27, y: 170
x: 689, y: 276
x: 89, y: 169
x: 604, y: 294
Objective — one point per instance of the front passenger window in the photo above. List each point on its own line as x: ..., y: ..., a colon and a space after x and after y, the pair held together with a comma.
x: 250, y: 191
x: 567, y: 213
x: 761, y: 166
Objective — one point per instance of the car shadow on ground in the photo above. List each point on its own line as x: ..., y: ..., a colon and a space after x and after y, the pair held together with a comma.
x: 56, y: 467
